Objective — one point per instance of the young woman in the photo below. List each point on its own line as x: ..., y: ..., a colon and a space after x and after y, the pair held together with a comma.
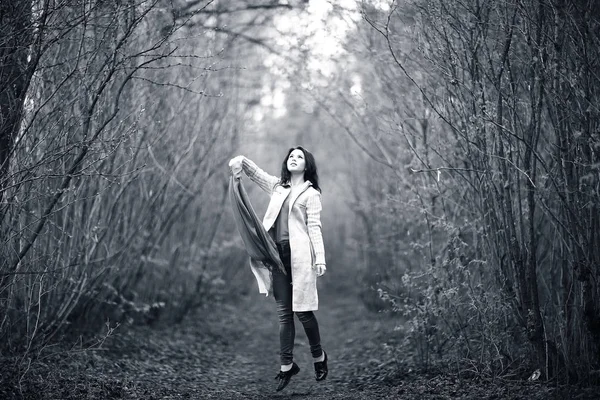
x: 293, y: 219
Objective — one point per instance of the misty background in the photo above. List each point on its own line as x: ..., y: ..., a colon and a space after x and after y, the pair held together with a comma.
x: 457, y: 144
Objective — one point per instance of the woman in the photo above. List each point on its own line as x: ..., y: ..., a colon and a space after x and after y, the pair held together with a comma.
x: 293, y: 220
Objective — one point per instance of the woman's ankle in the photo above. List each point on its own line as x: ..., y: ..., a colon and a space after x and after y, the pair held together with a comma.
x: 321, y: 358
x: 286, y: 367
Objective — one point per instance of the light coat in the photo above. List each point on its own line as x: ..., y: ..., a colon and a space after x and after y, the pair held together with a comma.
x: 304, y: 227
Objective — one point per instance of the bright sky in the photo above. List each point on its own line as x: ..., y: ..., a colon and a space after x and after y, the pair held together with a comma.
x: 319, y: 31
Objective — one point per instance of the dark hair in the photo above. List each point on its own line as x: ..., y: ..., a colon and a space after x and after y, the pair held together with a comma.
x: 310, y: 173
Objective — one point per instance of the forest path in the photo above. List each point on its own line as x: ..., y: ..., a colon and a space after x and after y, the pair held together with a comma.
x: 230, y: 351
x: 350, y: 335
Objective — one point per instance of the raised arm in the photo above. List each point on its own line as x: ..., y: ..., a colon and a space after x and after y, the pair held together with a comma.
x: 264, y: 180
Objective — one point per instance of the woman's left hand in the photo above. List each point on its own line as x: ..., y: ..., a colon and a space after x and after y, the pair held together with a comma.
x: 321, y: 268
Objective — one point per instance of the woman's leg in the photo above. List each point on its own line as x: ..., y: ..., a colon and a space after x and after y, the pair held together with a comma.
x: 311, y: 327
x: 282, y: 291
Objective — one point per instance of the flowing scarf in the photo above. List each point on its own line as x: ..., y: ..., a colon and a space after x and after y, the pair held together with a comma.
x: 258, y: 243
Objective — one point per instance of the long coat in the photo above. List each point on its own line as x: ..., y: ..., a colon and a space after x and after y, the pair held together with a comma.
x: 304, y: 227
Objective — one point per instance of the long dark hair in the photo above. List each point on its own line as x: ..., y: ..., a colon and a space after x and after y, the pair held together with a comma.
x: 310, y: 173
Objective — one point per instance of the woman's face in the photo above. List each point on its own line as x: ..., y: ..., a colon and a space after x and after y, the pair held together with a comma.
x: 295, y: 162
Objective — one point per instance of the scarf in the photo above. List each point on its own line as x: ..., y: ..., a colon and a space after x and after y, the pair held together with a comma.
x: 258, y: 243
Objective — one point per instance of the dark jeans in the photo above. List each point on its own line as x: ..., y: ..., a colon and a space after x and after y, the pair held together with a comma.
x: 282, y: 290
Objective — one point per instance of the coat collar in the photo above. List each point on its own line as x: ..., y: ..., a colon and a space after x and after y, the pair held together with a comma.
x: 306, y: 183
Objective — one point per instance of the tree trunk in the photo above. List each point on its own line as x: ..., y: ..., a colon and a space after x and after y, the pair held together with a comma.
x: 15, y: 75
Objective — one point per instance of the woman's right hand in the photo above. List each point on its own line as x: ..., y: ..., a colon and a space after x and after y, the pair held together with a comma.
x: 235, y: 164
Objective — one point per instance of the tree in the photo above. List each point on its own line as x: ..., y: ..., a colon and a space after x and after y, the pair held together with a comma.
x: 510, y: 124
x: 113, y: 186
x: 20, y: 46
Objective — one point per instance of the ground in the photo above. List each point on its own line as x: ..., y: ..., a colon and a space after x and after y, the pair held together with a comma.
x: 231, y: 352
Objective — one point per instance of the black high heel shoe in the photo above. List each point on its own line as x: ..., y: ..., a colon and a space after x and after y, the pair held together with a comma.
x: 284, y: 377
x: 321, y: 368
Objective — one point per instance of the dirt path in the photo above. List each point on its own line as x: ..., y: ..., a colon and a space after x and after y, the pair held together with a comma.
x: 359, y: 363
x: 227, y: 352
x: 231, y: 352
x: 347, y: 334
